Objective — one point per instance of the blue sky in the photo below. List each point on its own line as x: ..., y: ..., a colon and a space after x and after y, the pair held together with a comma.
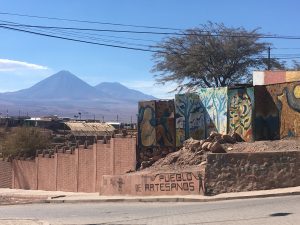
x: 26, y: 59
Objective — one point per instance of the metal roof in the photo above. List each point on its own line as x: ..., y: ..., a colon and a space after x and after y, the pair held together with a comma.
x: 90, y: 129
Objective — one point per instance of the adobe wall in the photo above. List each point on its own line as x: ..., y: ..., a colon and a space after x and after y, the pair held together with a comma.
x: 47, y: 173
x: 79, y: 170
x: 5, y: 174
x: 155, y: 183
x: 24, y: 174
x: 87, y: 169
x: 103, y: 162
x: 67, y: 172
x: 234, y: 172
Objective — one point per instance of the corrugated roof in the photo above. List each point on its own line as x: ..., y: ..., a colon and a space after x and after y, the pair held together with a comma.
x: 90, y: 129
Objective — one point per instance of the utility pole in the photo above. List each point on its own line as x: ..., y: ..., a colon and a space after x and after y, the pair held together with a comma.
x: 102, y: 119
x: 269, y: 58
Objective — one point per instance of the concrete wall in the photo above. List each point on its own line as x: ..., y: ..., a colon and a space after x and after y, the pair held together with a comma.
x: 5, y: 174
x: 77, y: 171
x: 234, y: 172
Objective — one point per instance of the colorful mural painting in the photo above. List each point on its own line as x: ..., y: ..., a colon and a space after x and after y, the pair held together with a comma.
x: 146, y: 124
x: 266, y: 120
x: 189, y: 117
x: 287, y: 99
x: 156, y: 124
x: 240, y: 112
x: 165, y: 123
x: 214, y: 101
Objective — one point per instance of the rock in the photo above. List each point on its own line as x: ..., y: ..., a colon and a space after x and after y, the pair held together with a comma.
x: 155, y: 158
x: 217, y: 148
x: 228, y: 139
x: 237, y: 137
x: 205, y: 146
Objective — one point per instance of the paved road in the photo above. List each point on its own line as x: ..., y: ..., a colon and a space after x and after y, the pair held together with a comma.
x: 277, y: 210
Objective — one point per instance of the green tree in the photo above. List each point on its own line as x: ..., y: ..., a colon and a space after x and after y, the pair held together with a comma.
x: 211, y: 56
x: 25, y: 141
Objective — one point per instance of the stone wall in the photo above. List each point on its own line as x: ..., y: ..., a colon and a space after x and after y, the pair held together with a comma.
x: 235, y: 172
x: 78, y: 171
x: 5, y: 174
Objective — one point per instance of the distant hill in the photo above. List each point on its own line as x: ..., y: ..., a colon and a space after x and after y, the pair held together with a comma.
x: 64, y: 94
x: 120, y: 91
x: 62, y: 85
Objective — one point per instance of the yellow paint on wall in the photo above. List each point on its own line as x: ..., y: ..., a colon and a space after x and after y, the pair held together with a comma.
x: 292, y: 76
x: 297, y: 91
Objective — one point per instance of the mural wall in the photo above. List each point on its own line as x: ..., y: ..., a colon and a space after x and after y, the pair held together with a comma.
x: 156, y: 129
x: 240, y: 112
x: 266, y: 119
x: 146, y: 124
x: 214, y: 101
x: 190, y: 121
x: 165, y: 123
x: 287, y: 99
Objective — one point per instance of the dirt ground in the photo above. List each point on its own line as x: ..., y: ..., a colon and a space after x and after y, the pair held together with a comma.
x: 193, y: 155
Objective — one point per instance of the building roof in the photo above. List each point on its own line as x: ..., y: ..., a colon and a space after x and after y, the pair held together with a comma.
x: 90, y: 129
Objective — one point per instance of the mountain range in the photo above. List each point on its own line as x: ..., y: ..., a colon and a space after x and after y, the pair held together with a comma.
x: 64, y: 94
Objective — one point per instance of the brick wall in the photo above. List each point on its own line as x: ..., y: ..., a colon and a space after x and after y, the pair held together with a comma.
x: 233, y: 172
x: 80, y: 170
x: 24, y: 174
x: 5, y: 174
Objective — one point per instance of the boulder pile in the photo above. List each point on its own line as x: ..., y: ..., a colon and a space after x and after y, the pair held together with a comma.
x: 192, y: 153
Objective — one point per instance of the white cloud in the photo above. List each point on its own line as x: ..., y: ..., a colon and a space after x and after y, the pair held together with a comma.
x: 13, y: 65
x: 149, y: 87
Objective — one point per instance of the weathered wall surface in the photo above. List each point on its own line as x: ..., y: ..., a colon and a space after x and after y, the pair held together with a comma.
x: 165, y: 123
x: 234, y: 172
x: 168, y: 183
x: 190, y: 121
x: 156, y: 130
x: 5, y: 174
x: 146, y: 124
x: 278, y: 110
x: 266, y: 121
x: 241, y: 112
x: 77, y: 171
x: 274, y: 77
x: 215, y: 103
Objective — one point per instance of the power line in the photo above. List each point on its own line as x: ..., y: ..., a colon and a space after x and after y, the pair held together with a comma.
x: 96, y: 34
x: 82, y: 41
x: 295, y: 56
x: 237, y: 35
x: 90, y: 22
